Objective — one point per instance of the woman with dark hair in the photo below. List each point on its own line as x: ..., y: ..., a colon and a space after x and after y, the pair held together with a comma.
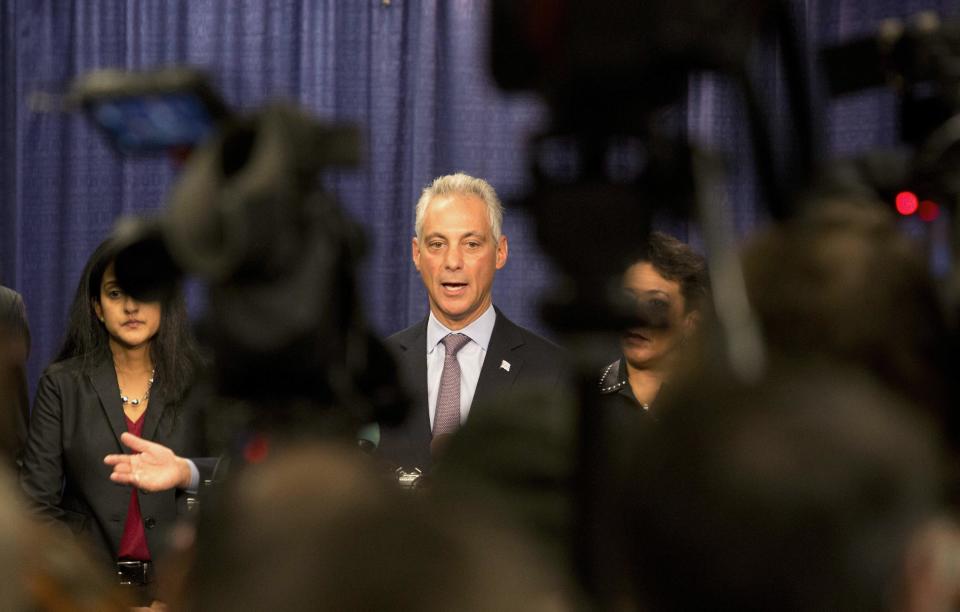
x: 668, y: 282
x: 126, y: 365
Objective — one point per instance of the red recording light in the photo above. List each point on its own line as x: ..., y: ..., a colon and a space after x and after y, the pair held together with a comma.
x: 907, y: 203
x: 256, y: 449
x: 929, y: 210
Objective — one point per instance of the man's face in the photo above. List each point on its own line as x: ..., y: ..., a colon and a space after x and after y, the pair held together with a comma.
x: 650, y: 347
x: 457, y: 258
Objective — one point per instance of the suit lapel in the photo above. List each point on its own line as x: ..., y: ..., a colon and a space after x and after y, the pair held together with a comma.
x: 414, y: 348
x: 153, y: 415
x: 502, y: 363
x: 104, y: 380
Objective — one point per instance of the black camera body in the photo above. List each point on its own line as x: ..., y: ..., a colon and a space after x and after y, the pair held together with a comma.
x: 248, y: 216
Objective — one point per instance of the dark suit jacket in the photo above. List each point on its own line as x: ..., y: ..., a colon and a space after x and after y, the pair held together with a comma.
x: 534, y: 361
x: 14, y: 348
x: 77, y: 419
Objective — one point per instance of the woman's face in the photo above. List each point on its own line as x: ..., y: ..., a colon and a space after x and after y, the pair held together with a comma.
x: 650, y: 346
x: 130, y: 323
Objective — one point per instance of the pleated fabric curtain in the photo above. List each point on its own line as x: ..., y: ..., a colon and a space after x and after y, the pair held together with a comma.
x: 413, y: 73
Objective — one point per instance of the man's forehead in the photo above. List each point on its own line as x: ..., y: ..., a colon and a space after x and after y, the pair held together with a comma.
x: 459, y: 196
x: 456, y: 201
x: 454, y: 233
x: 458, y: 213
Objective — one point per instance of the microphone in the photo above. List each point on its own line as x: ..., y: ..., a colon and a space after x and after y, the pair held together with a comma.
x: 368, y: 438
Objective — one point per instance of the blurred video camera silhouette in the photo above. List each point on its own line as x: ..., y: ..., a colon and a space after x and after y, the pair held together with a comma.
x: 916, y: 59
x: 616, y: 155
x: 248, y: 216
x: 610, y: 74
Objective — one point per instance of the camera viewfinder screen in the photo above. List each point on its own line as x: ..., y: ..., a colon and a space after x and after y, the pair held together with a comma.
x: 153, y: 123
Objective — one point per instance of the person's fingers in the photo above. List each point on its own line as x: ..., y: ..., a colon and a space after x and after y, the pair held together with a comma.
x: 116, y: 459
x: 126, y: 478
x: 122, y: 468
x: 135, y: 443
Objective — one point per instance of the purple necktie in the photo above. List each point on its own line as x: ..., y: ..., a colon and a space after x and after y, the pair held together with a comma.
x: 447, y: 417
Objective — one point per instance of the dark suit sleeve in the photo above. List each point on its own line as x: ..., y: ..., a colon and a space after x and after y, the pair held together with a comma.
x: 42, y: 473
x: 201, y: 454
x: 14, y: 346
x: 207, y: 467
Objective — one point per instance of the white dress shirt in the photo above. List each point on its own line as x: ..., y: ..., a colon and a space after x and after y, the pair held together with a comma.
x: 470, y: 357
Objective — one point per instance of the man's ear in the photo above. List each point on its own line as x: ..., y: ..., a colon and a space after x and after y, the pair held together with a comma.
x: 502, y: 249
x: 415, y: 253
x: 691, y: 321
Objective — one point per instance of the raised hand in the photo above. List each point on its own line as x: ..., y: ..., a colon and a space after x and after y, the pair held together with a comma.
x: 151, y: 467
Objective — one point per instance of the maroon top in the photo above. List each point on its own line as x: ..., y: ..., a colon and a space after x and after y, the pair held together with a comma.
x: 133, y: 543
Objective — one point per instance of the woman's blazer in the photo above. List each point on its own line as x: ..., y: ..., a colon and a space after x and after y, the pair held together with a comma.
x: 77, y: 419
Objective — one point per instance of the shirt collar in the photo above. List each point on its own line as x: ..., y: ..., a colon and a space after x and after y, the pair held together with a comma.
x: 614, y: 378
x: 479, y: 330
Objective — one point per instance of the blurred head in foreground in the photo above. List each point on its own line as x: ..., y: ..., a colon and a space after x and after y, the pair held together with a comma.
x: 842, y: 281
x: 43, y: 569
x: 801, y: 494
x: 319, y: 528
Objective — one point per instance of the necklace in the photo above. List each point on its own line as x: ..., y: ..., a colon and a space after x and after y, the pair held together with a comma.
x: 137, y: 401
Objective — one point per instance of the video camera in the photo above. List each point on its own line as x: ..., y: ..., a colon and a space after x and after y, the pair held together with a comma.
x: 917, y: 60
x: 249, y: 218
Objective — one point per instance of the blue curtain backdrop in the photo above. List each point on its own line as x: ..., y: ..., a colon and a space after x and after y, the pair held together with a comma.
x: 412, y: 73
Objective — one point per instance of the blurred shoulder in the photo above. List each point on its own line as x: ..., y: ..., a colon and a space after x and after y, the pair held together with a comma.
x: 64, y: 367
x: 65, y: 370
x: 404, y: 337
x: 541, y: 344
x: 529, y: 338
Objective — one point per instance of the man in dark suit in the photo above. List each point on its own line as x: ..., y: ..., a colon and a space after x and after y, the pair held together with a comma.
x: 465, y: 353
x: 14, y: 348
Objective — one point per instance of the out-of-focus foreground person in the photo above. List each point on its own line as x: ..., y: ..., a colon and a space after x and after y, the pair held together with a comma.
x: 668, y: 283
x: 810, y: 492
x: 316, y: 526
x: 842, y: 282
x: 14, y: 348
x: 125, y: 366
x: 42, y: 572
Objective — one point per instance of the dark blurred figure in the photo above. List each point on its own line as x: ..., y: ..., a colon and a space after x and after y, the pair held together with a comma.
x: 515, y: 463
x: 14, y: 349
x: 842, y: 281
x: 317, y: 527
x: 668, y: 282
x: 807, y: 493
x: 42, y: 572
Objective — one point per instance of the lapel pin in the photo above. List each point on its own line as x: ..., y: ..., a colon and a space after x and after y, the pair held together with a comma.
x: 505, y: 365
